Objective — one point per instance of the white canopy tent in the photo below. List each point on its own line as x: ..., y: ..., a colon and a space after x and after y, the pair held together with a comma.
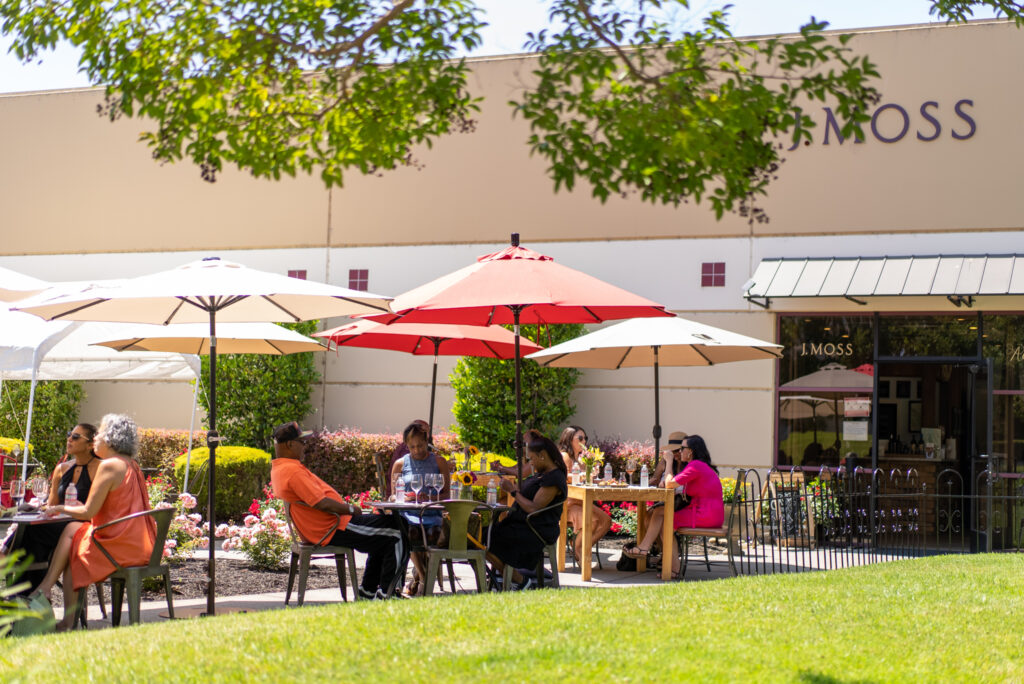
x: 34, y: 349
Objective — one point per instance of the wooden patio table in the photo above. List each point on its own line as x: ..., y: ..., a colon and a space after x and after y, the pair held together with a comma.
x: 588, y: 494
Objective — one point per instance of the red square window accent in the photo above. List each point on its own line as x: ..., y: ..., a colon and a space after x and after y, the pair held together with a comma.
x: 359, y: 279
x: 712, y: 274
x: 299, y: 273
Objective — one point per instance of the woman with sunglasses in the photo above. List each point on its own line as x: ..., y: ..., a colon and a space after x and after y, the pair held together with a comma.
x: 702, y: 487
x: 79, y: 466
x: 572, y: 443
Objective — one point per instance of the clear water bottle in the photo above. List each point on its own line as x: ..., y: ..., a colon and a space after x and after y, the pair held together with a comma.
x: 71, y: 495
x: 400, y: 489
x: 576, y: 473
x: 645, y: 477
x: 607, y: 471
x: 492, y: 494
x: 483, y: 463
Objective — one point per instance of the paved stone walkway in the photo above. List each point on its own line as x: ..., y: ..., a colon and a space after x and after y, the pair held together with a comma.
x: 609, y: 577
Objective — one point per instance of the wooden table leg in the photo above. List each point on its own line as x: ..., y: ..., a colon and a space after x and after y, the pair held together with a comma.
x: 641, y: 530
x: 586, y: 532
x: 562, y: 537
x: 667, y: 529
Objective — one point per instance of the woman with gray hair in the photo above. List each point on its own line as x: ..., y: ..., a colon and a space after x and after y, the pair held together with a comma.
x: 119, y: 490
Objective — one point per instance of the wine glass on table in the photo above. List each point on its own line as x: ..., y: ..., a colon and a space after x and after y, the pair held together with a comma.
x: 416, y: 484
x: 17, y: 492
x: 439, y: 484
x: 42, y: 490
x: 630, y: 468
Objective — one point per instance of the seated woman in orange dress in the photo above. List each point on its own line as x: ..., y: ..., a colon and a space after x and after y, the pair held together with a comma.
x: 118, y: 490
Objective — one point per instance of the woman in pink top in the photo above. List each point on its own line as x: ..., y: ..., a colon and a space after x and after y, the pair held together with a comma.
x: 702, y: 488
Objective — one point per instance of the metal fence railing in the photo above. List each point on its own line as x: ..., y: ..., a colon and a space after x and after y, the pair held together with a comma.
x: 847, y: 516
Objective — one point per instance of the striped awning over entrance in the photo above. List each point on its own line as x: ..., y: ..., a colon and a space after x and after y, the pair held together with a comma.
x: 956, y: 278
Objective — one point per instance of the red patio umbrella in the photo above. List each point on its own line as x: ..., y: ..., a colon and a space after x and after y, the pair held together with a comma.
x: 518, y: 285
x: 423, y: 339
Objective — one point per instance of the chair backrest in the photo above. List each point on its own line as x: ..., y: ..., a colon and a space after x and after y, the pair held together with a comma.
x: 297, y: 537
x: 531, y: 516
x: 162, y: 517
x: 458, y: 521
x: 380, y: 461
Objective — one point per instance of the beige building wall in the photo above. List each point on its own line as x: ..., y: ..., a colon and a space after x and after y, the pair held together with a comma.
x: 74, y: 182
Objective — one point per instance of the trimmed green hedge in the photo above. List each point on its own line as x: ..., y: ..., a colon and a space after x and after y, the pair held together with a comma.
x: 159, y: 448
x: 242, y: 472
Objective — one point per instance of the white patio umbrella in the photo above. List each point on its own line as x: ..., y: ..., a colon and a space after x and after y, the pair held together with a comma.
x: 192, y: 338
x: 205, y: 291
x: 15, y: 286
x: 642, y: 342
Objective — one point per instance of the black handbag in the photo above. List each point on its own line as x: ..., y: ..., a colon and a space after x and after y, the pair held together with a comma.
x: 681, y: 502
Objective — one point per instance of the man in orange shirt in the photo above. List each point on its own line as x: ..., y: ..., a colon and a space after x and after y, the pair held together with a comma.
x: 378, y: 536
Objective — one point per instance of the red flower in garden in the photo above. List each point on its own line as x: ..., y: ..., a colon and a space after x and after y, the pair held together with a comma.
x: 255, y: 507
x: 616, y: 528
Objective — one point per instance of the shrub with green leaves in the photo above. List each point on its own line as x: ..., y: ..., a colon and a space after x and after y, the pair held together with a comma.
x: 485, y: 400
x: 242, y: 472
x: 55, y: 412
x: 256, y: 392
x: 159, y: 448
x: 344, y: 459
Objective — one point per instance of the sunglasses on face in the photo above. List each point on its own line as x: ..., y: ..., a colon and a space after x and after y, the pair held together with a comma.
x: 74, y: 436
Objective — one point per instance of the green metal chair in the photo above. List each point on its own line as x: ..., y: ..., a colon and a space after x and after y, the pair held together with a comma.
x: 458, y: 512
x: 130, y: 578
x: 550, y: 551
x: 303, y: 552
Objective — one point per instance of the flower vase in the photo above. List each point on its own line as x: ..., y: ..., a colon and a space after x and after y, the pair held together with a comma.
x: 590, y: 475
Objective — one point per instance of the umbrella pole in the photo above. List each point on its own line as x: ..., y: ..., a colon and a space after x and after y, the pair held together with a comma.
x: 519, y: 404
x: 211, y: 441
x: 433, y: 391
x: 191, y: 431
x: 28, y: 422
x: 656, y: 432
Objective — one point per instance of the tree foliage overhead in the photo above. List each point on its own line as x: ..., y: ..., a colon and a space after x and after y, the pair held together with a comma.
x: 276, y: 87
x: 626, y: 97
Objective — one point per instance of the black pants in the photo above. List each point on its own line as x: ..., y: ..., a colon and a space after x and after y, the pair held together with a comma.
x: 380, y: 538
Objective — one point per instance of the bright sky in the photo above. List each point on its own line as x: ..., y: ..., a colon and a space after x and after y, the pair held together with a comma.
x: 510, y: 20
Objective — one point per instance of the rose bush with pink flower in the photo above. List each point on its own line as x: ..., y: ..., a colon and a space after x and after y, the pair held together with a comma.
x: 187, y: 531
x: 263, y: 536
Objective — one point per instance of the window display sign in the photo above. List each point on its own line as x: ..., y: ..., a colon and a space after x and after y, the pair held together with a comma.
x: 855, y: 430
x: 857, y: 407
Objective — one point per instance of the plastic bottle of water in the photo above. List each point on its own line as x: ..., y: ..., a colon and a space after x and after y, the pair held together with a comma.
x: 607, y: 471
x: 71, y: 495
x: 492, y: 494
x: 400, y: 489
x: 576, y: 473
x: 645, y: 477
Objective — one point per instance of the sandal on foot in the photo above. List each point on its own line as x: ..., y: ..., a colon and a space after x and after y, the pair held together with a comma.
x: 636, y: 553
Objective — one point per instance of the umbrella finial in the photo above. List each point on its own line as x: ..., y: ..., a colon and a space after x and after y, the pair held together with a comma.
x: 515, y: 239
x: 211, y: 258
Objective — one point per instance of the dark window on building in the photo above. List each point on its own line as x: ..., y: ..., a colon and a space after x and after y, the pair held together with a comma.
x: 298, y: 273
x: 359, y: 279
x: 712, y: 274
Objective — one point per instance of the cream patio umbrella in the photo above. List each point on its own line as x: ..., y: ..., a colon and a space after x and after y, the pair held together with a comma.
x: 205, y: 291
x: 191, y: 338
x: 655, y: 342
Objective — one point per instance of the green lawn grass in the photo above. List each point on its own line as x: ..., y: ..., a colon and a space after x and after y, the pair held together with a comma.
x: 950, y: 618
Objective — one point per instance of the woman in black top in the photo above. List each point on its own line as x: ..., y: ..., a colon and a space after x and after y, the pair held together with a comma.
x: 80, y: 467
x: 512, y: 541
